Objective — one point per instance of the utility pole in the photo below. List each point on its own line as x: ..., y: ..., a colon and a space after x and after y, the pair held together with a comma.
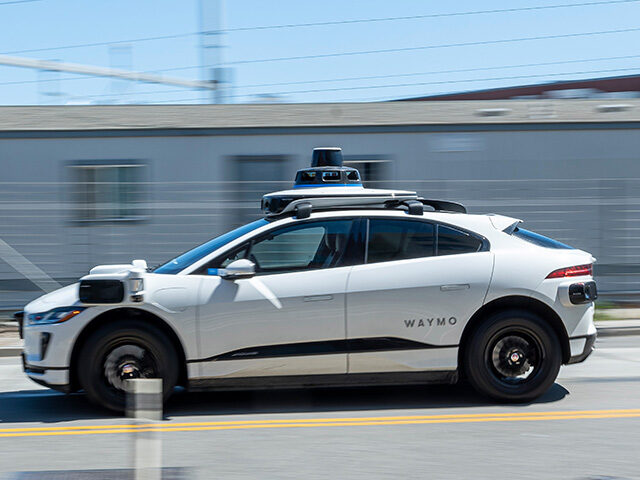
x: 211, y: 49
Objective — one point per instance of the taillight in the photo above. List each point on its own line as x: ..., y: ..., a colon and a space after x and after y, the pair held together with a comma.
x: 575, y: 271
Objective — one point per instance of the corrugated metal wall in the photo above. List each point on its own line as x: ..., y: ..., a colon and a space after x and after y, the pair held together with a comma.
x: 581, y: 187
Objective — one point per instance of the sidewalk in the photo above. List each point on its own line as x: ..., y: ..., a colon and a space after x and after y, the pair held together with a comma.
x: 610, y: 328
x: 10, y: 342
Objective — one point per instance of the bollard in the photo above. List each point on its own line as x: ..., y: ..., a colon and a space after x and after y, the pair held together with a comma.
x: 144, y: 404
x: 144, y: 398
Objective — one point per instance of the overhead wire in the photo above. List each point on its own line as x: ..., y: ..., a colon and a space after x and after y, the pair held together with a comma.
x: 98, y: 44
x: 367, y: 52
x: 420, y: 17
x: 14, y: 2
x: 435, y: 46
x: 438, y: 72
x: 446, y: 82
x: 611, y: 70
x: 442, y: 82
x: 313, y: 24
x: 401, y: 49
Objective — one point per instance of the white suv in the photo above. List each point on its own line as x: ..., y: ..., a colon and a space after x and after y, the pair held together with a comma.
x: 336, y: 285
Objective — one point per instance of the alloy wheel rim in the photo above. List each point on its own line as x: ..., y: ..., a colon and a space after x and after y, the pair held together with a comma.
x: 128, y: 361
x: 515, y: 357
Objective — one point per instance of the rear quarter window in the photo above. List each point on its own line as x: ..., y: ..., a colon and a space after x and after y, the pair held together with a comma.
x: 540, y: 240
x: 452, y: 241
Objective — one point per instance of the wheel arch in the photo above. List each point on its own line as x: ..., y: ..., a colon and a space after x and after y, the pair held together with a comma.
x: 127, y: 312
x: 520, y: 302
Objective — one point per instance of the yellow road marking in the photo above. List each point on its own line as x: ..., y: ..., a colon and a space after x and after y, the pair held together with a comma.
x: 319, y: 422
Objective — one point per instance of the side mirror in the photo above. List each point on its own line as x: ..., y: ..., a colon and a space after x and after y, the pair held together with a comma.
x: 242, y: 268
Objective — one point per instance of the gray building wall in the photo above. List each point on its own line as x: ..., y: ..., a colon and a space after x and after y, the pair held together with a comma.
x: 578, y: 183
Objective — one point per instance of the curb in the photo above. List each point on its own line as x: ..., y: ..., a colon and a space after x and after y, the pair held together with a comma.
x: 10, y: 351
x: 618, y: 331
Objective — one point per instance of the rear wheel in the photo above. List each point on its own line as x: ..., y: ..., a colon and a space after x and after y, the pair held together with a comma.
x: 513, y: 356
x: 122, y: 350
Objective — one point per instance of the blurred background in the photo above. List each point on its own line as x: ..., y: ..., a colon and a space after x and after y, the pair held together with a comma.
x: 140, y: 129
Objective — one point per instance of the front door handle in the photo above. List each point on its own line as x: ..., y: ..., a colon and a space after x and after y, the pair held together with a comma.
x: 457, y: 286
x: 318, y: 298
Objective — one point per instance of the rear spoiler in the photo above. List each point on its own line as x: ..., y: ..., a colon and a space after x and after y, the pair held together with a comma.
x: 507, y: 225
x: 512, y: 228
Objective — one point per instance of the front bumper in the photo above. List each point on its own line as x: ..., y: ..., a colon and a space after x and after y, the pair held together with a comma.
x: 589, y: 343
x: 56, y: 378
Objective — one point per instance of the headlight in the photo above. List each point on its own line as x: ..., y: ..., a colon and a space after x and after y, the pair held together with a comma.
x: 56, y: 315
x: 137, y: 284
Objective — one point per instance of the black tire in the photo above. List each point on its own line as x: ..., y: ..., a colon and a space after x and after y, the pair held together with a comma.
x: 131, y: 346
x: 513, y: 356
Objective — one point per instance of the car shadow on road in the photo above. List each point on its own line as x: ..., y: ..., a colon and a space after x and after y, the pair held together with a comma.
x: 47, y: 407
x: 337, y: 399
x: 51, y: 407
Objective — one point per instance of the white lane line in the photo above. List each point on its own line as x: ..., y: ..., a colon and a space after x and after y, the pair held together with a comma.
x: 27, y: 268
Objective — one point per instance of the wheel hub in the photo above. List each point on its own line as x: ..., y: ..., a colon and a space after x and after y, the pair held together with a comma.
x: 127, y: 362
x: 513, y: 356
x: 129, y: 370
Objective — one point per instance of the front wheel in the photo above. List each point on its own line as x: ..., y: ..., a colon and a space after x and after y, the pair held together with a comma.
x: 513, y: 356
x: 122, y: 350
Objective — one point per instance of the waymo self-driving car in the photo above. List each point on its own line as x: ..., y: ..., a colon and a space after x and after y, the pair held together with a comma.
x: 337, y: 284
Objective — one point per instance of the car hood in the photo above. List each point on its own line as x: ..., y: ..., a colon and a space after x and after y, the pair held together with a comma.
x: 63, y: 297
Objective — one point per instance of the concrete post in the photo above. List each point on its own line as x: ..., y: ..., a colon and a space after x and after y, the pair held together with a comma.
x: 144, y: 405
x: 144, y: 398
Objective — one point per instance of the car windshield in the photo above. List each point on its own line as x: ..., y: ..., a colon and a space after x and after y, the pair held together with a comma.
x: 188, y: 258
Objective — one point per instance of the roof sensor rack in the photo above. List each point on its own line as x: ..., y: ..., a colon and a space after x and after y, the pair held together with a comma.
x: 329, y: 185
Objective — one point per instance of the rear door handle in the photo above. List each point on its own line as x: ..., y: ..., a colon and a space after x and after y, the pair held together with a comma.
x: 318, y: 298
x: 457, y: 286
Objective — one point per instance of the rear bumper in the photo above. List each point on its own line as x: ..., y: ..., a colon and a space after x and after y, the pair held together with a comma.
x: 586, y: 351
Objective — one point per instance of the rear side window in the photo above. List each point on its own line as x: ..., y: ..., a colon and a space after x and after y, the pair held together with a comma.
x: 452, y: 241
x: 539, y: 240
x: 391, y: 240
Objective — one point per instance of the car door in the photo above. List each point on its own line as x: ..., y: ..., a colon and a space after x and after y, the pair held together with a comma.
x: 289, y: 319
x: 408, y: 304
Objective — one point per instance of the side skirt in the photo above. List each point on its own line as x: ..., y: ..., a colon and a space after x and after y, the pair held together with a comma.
x: 324, y: 381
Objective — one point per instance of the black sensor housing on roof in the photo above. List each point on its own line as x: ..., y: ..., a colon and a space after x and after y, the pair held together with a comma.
x: 327, y: 170
x: 326, y: 157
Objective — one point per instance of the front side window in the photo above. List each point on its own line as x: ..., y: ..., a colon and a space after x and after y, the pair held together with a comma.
x: 189, y: 258
x: 299, y: 247
x: 391, y: 239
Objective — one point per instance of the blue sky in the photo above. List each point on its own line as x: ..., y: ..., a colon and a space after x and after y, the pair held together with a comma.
x: 39, y: 24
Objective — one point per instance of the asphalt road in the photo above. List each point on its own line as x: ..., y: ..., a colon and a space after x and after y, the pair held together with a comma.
x: 586, y: 427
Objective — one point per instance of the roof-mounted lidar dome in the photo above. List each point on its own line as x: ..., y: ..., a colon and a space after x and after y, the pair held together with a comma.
x: 327, y: 171
x: 326, y: 157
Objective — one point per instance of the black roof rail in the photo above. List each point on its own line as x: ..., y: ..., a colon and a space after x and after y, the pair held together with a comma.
x: 437, y: 205
x: 303, y: 207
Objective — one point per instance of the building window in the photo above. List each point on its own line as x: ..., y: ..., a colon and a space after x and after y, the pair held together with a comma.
x: 107, y: 192
x: 253, y: 177
x: 374, y: 170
